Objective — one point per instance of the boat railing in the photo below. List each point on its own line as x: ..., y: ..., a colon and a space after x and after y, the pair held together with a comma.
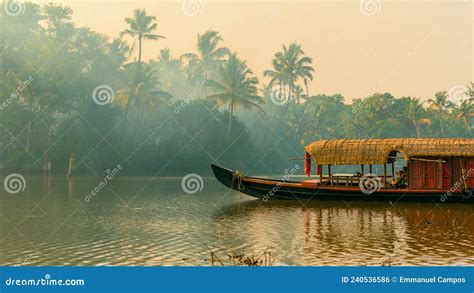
x: 349, y: 180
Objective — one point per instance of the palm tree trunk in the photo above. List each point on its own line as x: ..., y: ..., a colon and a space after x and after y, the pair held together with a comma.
x: 139, y: 67
x: 417, y: 128
x: 137, y: 78
x: 282, y: 115
x: 306, y: 85
x: 205, y: 78
x: 466, y: 123
x: 274, y: 115
x: 28, y: 133
x: 290, y: 91
x: 231, y: 116
x: 29, y: 127
x: 414, y: 121
x: 441, y: 124
x: 281, y: 89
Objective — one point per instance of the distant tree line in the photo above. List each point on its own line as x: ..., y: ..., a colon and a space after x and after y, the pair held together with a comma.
x: 69, y: 90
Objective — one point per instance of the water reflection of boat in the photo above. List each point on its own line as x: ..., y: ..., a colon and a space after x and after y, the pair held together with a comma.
x: 357, y: 233
x: 436, y: 170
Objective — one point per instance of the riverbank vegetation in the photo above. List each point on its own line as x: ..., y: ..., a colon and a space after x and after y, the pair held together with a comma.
x: 66, y: 89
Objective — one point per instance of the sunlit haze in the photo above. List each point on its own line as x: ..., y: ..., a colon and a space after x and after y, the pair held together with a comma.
x: 406, y: 48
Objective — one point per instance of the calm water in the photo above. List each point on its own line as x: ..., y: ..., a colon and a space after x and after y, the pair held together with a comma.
x: 152, y: 222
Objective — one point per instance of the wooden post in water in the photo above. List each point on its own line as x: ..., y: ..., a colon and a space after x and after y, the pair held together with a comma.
x: 46, y: 164
x: 72, y: 164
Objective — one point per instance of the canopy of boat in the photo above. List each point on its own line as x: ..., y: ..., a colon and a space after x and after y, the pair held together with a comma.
x: 377, y: 151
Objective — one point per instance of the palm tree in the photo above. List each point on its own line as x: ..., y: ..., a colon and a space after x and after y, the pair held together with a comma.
x: 277, y: 77
x: 441, y: 105
x: 169, y: 65
x: 289, y: 66
x: 149, y: 94
x: 118, y: 50
x: 470, y: 91
x: 165, y: 59
x: 141, y: 28
x: 148, y: 90
x: 168, y: 71
x: 209, y: 56
x: 235, y: 87
x: 464, y: 112
x: 413, y: 108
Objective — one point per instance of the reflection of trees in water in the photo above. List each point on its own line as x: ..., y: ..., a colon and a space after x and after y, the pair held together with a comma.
x: 442, y: 231
x: 358, y: 233
x: 354, y: 233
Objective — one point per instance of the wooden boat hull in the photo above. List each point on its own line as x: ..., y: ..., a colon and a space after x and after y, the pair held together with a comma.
x: 269, y: 189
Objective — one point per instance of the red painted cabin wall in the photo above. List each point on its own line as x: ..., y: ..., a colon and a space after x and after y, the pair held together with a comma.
x: 433, y: 175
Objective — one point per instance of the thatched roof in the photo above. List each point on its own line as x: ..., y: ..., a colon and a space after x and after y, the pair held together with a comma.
x: 376, y: 151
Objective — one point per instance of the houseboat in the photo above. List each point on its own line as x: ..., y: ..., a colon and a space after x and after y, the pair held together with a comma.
x: 401, y: 169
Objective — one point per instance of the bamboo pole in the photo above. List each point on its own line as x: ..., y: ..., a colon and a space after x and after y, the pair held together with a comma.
x: 393, y: 169
x: 329, y: 174
x: 320, y: 167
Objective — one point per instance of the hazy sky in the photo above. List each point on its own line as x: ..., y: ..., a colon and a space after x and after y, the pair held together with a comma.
x: 404, y: 47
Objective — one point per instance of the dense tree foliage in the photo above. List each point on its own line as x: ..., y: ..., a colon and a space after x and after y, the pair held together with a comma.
x: 66, y: 89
